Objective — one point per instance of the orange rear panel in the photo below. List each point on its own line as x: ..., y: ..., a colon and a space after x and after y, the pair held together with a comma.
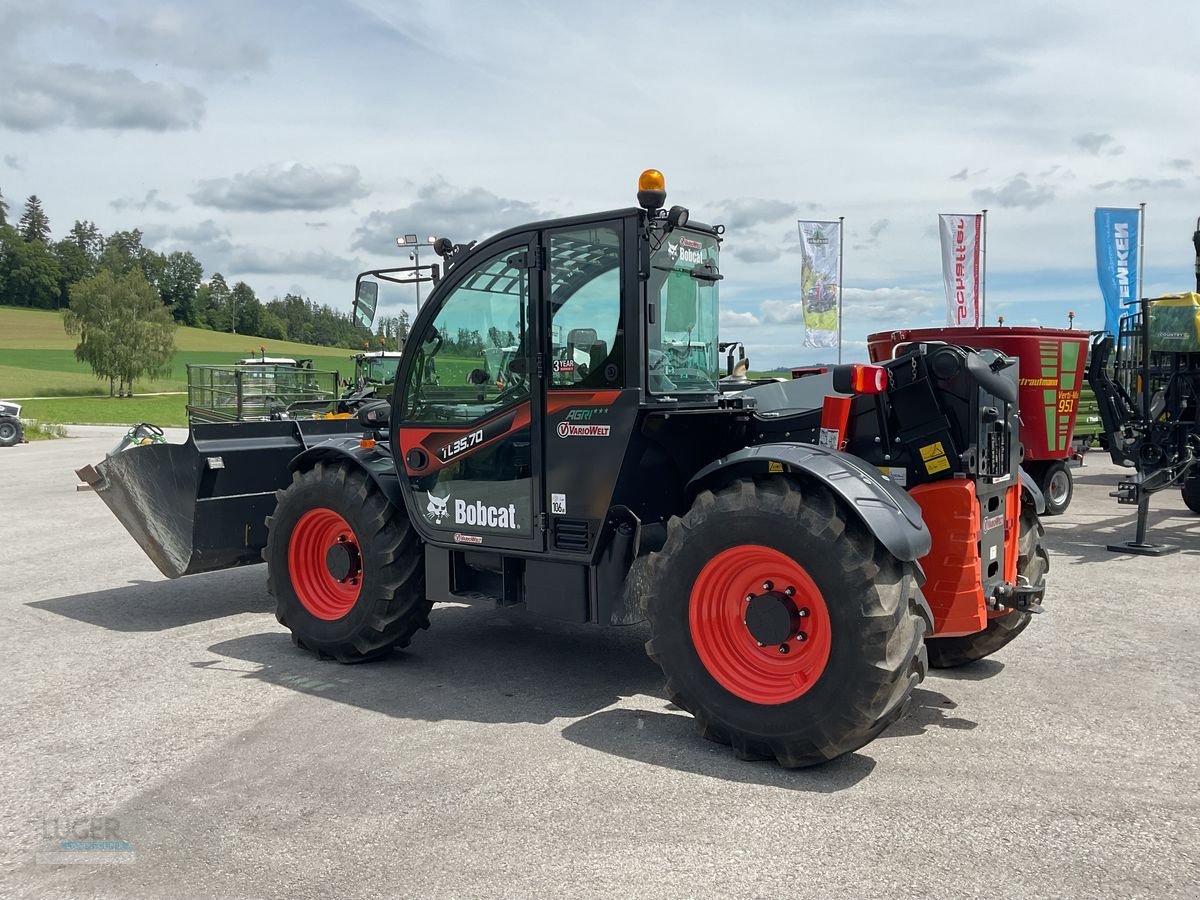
x: 954, y: 588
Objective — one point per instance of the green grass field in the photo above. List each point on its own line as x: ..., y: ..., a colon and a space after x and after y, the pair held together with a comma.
x: 165, y: 411
x: 37, y: 357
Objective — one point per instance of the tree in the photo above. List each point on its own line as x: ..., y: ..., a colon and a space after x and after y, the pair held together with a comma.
x: 34, y: 224
x: 87, y: 237
x: 74, y: 265
x: 246, y: 311
x: 3, y: 211
x: 180, y: 279
x: 217, y: 308
x: 122, y: 251
x: 125, y: 331
x: 29, y: 272
x: 272, y: 327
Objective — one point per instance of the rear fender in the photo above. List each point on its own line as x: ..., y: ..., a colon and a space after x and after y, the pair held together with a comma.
x: 887, y: 511
x: 379, y: 466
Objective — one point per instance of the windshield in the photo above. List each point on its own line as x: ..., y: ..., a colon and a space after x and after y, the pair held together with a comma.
x: 682, y: 354
x: 380, y: 370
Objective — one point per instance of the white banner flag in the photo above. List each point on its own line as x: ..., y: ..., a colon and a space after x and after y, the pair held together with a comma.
x: 820, y: 285
x: 960, y: 268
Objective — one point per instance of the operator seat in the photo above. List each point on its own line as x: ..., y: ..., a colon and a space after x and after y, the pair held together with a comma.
x: 585, y: 339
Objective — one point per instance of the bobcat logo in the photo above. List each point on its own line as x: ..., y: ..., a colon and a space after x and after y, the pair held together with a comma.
x: 435, y: 508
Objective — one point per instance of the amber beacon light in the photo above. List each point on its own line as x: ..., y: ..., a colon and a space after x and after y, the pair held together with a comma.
x: 652, y: 189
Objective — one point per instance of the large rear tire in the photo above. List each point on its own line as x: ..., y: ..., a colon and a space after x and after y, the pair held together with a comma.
x: 1032, y: 563
x: 757, y: 567
x: 345, y: 566
x: 1191, y: 493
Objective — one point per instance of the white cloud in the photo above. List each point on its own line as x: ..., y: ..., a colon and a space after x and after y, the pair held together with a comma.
x: 1017, y: 192
x: 283, y: 186
x: 732, y: 319
x: 39, y: 97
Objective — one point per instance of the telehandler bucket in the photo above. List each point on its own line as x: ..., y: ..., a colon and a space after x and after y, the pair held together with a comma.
x: 202, y: 505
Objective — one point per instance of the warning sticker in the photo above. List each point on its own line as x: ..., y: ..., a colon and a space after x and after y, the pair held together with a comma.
x: 896, y: 474
x: 773, y: 466
x: 940, y: 464
x: 929, y: 451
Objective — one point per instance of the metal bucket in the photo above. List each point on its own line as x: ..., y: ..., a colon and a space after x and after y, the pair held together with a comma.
x: 202, y: 505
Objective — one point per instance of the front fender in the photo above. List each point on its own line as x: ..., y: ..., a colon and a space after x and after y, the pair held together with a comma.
x: 1031, y: 490
x: 379, y: 466
x: 883, y: 507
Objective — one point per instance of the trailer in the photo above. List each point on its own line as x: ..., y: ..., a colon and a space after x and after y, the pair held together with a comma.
x: 1051, y: 377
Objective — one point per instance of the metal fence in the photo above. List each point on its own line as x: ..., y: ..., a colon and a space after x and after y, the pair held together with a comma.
x: 258, y: 392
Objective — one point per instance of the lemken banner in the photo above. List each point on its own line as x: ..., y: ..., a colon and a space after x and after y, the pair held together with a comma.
x: 820, y: 288
x: 960, y: 268
x: 1116, y: 261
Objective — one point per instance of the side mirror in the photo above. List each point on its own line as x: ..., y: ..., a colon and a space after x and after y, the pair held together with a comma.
x: 374, y: 415
x: 366, y: 300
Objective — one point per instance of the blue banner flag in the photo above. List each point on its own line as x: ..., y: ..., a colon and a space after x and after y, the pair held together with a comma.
x: 1116, y: 261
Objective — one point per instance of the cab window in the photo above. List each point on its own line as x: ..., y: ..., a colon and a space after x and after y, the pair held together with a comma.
x: 474, y: 360
x: 586, y: 330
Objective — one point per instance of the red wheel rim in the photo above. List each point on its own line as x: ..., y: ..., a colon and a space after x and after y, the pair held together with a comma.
x: 728, y: 650
x: 320, y: 592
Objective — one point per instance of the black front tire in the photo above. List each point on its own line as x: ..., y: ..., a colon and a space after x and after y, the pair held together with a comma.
x: 11, y: 431
x: 1033, y: 563
x: 1191, y: 493
x: 391, y: 604
x: 877, y: 621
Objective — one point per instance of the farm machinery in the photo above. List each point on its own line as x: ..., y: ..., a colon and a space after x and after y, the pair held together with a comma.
x: 12, y: 432
x: 802, y: 551
x: 1146, y: 380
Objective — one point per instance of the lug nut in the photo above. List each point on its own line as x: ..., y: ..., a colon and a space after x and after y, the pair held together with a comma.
x: 790, y: 591
x: 749, y: 597
x: 760, y: 643
x: 767, y: 586
x: 803, y: 613
x: 783, y: 648
x: 801, y: 636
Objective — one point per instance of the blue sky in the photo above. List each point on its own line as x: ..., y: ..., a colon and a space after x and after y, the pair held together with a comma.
x: 288, y: 144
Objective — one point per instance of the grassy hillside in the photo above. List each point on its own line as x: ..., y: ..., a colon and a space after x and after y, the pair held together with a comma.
x: 37, y: 357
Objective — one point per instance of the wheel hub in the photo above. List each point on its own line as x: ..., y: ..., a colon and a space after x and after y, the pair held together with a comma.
x: 342, y: 560
x: 759, y: 624
x: 772, y: 618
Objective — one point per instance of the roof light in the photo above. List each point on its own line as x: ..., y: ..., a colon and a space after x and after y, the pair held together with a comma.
x: 652, y: 189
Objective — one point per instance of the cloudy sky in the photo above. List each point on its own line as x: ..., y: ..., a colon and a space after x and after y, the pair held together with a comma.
x: 288, y: 144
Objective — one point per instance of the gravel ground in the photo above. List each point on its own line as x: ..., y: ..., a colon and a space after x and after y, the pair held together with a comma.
x: 504, y: 756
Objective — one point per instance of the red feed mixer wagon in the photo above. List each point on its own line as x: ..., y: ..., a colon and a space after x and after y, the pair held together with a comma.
x: 1051, y: 362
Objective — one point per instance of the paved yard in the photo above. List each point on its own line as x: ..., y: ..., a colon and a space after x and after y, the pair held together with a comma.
x: 504, y: 757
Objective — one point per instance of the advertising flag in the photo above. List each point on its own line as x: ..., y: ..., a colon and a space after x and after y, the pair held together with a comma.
x: 820, y: 284
x: 1116, y: 261
x: 960, y: 268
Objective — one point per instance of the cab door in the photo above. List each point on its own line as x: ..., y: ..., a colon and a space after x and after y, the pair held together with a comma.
x: 467, y: 425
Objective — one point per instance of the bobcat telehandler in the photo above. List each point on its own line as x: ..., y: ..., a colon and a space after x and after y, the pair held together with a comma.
x: 795, y: 592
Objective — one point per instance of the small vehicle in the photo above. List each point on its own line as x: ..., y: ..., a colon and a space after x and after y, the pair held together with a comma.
x: 12, y: 432
x: 801, y: 550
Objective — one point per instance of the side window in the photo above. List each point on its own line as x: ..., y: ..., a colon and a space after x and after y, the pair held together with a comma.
x: 475, y: 359
x: 586, y: 331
